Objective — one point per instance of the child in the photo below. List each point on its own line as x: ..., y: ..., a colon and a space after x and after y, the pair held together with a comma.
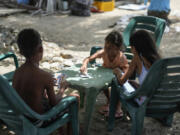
x: 145, y: 54
x: 31, y: 82
x: 112, y: 57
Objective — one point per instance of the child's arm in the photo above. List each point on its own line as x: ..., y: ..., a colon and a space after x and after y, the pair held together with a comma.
x: 98, y: 54
x: 49, y: 86
x: 123, y: 78
x: 63, y: 86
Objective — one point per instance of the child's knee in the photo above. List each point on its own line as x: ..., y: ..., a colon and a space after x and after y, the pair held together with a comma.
x: 75, y: 95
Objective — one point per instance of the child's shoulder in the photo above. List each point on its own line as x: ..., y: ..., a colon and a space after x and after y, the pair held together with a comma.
x: 45, y: 74
x: 44, y: 77
x: 102, y: 51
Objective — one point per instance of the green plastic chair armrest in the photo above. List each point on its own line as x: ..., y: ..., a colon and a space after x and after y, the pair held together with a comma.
x: 10, y: 54
x: 60, y: 107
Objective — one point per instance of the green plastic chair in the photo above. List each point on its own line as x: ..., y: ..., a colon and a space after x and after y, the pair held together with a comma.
x: 150, y: 23
x: 162, y: 89
x: 9, y: 75
x: 15, y: 113
x: 154, y: 25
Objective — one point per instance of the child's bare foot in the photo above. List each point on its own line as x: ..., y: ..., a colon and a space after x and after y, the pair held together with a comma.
x: 118, y: 115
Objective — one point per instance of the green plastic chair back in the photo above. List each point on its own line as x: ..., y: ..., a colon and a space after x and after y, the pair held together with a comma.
x: 9, y: 75
x: 14, y: 112
x: 93, y: 50
x: 150, y: 23
x: 162, y: 89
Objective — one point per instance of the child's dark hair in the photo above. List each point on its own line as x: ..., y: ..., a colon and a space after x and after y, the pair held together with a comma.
x: 114, y: 38
x: 28, y: 40
x: 145, y: 45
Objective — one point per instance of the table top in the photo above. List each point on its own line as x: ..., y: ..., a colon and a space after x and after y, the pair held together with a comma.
x: 99, y: 77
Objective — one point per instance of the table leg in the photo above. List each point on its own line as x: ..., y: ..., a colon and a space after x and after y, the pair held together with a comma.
x: 113, y: 104
x: 82, y: 96
x: 90, y: 102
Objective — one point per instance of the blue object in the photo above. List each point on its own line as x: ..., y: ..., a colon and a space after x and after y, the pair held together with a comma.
x: 145, y: 2
x: 23, y: 1
x: 159, y: 5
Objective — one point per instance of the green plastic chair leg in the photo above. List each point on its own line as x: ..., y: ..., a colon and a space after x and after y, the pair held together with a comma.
x: 28, y: 128
x: 137, y: 121
x: 169, y: 120
x: 74, y: 113
x: 140, y: 120
x: 134, y: 125
x: 82, y: 96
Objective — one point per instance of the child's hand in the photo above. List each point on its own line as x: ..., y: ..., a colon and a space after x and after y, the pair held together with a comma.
x: 117, y: 72
x: 63, y: 85
x: 83, y: 69
x: 55, y: 81
x: 134, y: 84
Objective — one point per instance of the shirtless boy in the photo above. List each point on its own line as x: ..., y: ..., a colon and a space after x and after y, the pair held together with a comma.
x: 31, y: 82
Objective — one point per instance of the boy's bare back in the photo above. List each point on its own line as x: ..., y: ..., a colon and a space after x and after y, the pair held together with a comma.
x: 31, y: 84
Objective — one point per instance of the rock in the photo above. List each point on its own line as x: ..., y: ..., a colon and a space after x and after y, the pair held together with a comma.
x: 16, y: 31
x: 57, y: 59
x: 50, y: 55
x: 50, y: 44
x: 45, y: 65
x: 177, y: 29
x: 166, y: 29
x: 55, y: 65
x: 68, y: 63
x: 46, y: 58
x: 66, y: 56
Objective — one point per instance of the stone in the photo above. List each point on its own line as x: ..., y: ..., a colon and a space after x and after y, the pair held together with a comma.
x: 66, y: 56
x: 57, y: 59
x: 45, y: 65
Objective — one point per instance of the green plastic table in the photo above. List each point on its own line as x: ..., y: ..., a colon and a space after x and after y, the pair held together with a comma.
x: 100, y: 79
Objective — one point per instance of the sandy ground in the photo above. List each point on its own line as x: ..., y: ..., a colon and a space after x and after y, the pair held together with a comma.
x: 75, y: 36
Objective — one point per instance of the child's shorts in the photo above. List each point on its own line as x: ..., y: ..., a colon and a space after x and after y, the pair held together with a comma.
x: 47, y: 107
